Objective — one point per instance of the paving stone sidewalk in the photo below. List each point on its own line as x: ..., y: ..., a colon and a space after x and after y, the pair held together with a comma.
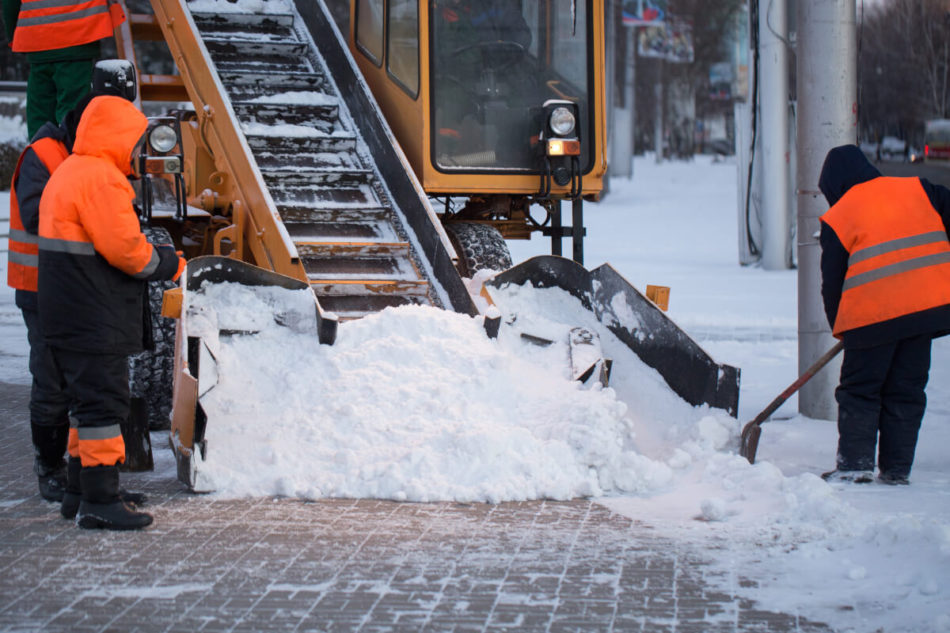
x: 343, y: 565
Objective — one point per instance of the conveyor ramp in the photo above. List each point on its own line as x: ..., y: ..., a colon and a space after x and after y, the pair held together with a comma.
x: 355, y: 224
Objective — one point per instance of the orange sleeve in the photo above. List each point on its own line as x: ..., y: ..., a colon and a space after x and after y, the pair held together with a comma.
x: 113, y: 226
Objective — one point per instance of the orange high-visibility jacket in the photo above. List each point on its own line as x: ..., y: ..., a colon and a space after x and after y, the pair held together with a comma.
x: 23, y: 253
x: 898, y: 252
x: 44, y: 25
x: 94, y: 259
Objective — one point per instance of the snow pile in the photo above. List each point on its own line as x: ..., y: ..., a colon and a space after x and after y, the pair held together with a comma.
x: 413, y: 403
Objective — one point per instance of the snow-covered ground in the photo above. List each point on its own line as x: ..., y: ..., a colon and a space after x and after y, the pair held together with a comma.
x: 419, y: 404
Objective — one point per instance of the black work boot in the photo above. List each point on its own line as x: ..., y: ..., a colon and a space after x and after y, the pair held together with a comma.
x: 849, y: 476
x: 49, y: 444
x: 52, y: 479
x: 73, y: 492
x: 892, y: 478
x: 101, y: 506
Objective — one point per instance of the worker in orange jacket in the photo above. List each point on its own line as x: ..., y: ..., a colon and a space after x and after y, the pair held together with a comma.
x: 62, y: 42
x: 94, y: 262
x: 885, y: 270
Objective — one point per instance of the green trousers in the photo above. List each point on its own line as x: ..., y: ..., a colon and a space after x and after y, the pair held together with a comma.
x: 53, y: 88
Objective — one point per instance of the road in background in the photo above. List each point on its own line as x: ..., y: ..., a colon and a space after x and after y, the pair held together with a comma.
x: 937, y: 174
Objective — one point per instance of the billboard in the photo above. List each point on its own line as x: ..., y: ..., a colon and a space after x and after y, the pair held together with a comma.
x: 672, y: 41
x: 644, y: 12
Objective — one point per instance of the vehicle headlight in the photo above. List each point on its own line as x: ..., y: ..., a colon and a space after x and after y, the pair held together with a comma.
x: 162, y: 138
x: 562, y: 121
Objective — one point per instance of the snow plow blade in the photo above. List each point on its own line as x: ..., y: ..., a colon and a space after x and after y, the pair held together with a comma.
x: 650, y: 333
x: 217, y: 269
x: 195, y: 371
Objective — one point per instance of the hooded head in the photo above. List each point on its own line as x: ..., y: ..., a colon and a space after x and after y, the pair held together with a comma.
x: 110, y: 128
x: 845, y: 166
x: 71, y: 120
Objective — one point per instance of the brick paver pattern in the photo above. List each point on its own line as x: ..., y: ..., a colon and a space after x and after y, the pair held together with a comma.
x: 276, y: 565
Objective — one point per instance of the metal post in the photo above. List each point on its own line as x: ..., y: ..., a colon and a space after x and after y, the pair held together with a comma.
x: 827, y: 117
x: 621, y: 151
x: 632, y: 94
x: 556, y: 227
x: 577, y: 229
x: 658, y: 112
x: 773, y: 106
x: 612, y: 59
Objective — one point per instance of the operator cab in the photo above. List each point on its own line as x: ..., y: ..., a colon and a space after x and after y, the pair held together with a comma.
x: 494, y: 69
x: 498, y: 105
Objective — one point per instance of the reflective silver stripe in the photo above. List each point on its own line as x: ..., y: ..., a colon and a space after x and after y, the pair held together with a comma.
x: 23, y: 259
x: 73, y: 423
x: 150, y: 266
x: 18, y: 235
x: 896, y: 245
x: 36, y: 5
x: 99, y: 432
x: 61, y: 17
x: 67, y: 246
x: 896, y: 269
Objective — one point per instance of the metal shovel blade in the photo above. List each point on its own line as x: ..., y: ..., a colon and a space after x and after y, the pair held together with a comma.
x: 749, y: 441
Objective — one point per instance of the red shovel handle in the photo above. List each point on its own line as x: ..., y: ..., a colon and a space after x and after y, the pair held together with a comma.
x: 795, y: 386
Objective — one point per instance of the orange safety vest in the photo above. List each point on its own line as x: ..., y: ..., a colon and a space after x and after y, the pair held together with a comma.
x: 899, y: 253
x: 24, y: 246
x: 43, y: 25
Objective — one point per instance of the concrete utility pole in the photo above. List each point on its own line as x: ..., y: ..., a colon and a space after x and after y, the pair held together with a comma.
x: 621, y: 154
x: 827, y: 117
x: 658, y: 111
x: 773, y: 106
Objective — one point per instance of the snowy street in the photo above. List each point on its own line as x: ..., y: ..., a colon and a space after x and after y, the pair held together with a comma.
x: 533, y: 504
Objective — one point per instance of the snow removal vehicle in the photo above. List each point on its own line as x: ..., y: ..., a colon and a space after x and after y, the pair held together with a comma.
x: 281, y: 159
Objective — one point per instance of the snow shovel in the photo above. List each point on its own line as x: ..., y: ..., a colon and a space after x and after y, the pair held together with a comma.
x: 749, y: 440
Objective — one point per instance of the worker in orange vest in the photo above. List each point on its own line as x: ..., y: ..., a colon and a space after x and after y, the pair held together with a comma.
x: 49, y: 421
x: 62, y: 42
x: 94, y: 262
x: 885, y: 270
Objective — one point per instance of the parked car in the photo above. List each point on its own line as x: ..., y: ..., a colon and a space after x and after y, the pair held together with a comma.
x: 893, y: 148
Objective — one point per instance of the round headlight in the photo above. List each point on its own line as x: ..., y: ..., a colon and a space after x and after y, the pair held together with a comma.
x: 562, y: 121
x: 162, y: 138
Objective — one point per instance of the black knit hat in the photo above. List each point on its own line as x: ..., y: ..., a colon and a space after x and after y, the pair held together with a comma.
x: 114, y: 77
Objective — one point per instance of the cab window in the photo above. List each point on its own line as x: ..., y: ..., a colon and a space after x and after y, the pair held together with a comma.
x: 402, y: 45
x: 494, y: 65
x: 369, y: 29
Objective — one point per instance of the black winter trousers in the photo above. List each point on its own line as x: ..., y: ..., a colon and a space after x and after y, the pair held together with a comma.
x: 881, y: 400
x: 49, y: 403
x: 98, y: 387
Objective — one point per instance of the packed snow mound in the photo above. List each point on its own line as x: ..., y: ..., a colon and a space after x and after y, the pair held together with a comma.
x: 416, y: 403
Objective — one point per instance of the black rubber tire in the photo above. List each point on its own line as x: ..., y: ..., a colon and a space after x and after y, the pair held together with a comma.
x: 151, y: 371
x: 479, y: 247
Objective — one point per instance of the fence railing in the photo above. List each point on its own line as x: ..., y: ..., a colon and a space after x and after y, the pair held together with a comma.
x: 13, y: 86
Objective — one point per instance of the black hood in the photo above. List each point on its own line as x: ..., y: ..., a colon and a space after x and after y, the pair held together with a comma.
x: 71, y: 120
x: 845, y: 166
